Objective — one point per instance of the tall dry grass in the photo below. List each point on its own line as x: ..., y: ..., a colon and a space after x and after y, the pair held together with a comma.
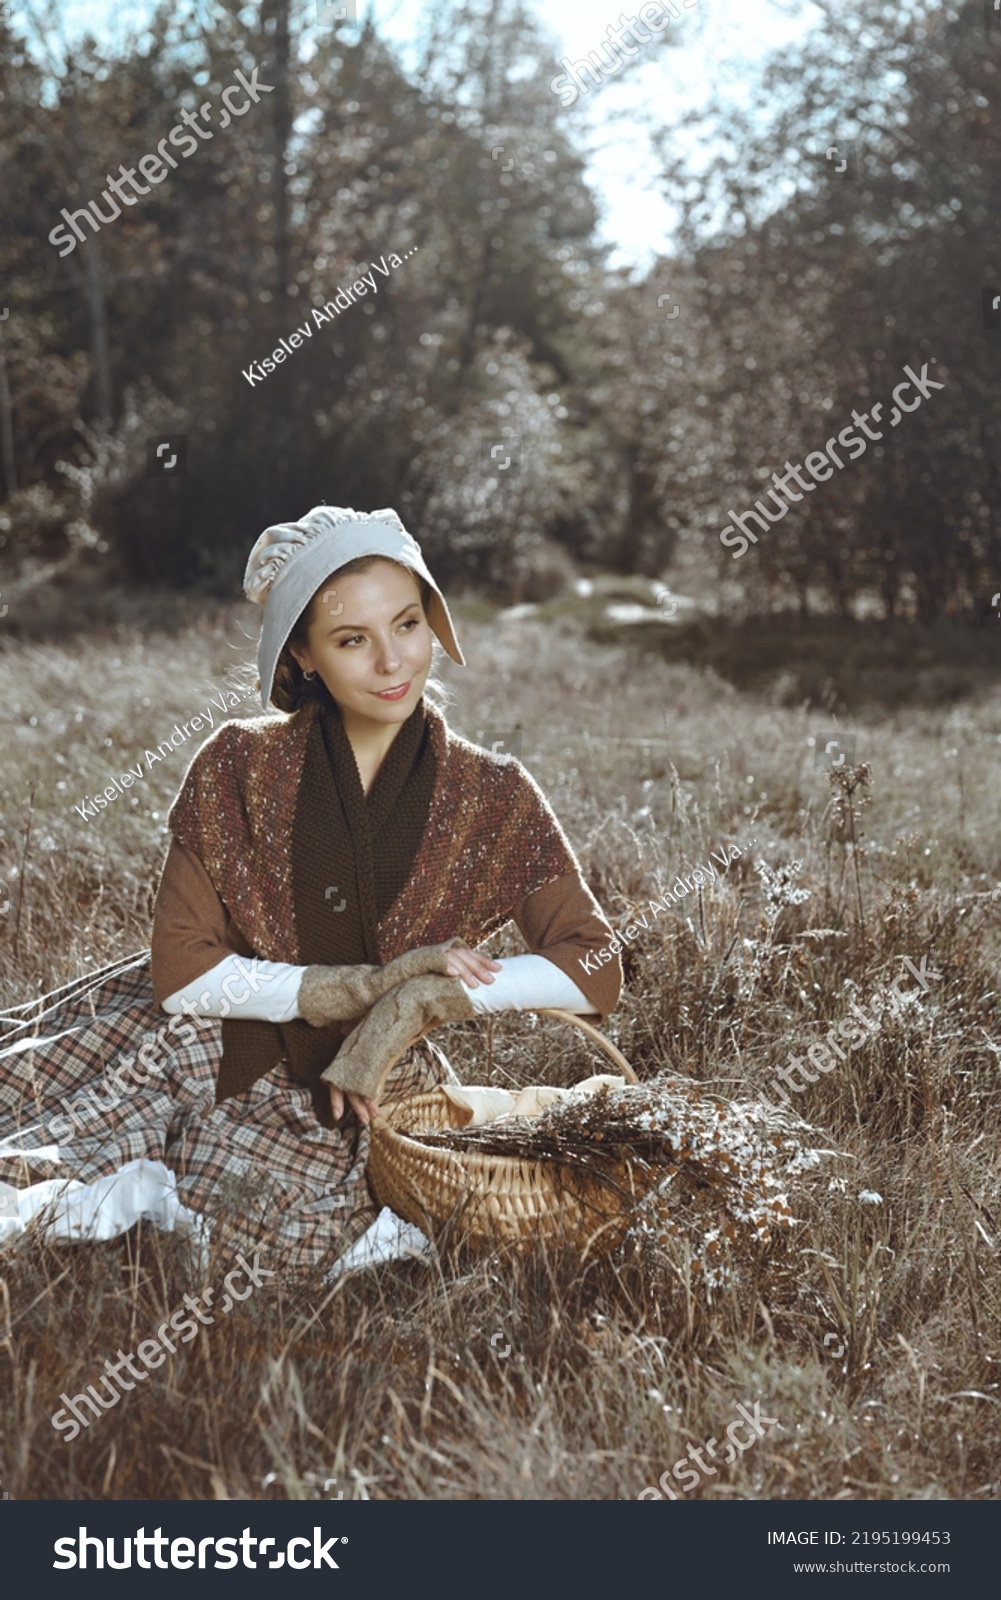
x: 871, y: 1333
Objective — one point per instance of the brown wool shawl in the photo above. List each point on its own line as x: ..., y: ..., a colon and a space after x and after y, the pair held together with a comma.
x: 446, y: 844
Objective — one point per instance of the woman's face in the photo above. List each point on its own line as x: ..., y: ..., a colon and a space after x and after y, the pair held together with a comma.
x: 369, y: 635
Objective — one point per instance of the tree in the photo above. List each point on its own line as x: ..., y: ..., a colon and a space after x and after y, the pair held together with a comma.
x: 822, y: 299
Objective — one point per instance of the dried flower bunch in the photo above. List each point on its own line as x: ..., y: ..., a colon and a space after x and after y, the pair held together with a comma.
x: 710, y: 1171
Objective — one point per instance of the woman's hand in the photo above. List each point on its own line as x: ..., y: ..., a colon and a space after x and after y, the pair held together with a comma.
x: 471, y: 967
x: 365, y: 1110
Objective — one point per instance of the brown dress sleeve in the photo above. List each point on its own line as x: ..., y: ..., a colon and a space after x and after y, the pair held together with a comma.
x: 563, y: 922
x: 192, y: 930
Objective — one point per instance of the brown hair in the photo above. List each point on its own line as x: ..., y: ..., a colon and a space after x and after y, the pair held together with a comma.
x: 291, y: 689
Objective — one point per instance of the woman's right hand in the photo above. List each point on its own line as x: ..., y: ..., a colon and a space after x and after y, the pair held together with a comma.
x: 472, y: 967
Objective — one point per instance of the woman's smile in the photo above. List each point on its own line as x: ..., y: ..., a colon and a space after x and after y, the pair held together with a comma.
x: 377, y: 645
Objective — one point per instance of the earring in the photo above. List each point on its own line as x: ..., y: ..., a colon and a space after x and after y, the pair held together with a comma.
x: 309, y: 676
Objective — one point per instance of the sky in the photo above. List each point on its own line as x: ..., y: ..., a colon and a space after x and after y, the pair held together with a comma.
x: 722, y: 42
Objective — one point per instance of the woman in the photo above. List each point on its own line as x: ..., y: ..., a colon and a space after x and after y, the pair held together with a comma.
x: 329, y: 873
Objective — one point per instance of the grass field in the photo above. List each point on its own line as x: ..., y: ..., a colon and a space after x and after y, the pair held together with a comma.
x: 870, y: 1334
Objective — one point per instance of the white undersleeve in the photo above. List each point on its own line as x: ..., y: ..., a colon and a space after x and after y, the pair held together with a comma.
x: 524, y: 983
x: 277, y: 1000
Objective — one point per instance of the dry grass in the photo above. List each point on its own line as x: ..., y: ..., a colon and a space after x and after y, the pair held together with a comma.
x: 537, y: 1379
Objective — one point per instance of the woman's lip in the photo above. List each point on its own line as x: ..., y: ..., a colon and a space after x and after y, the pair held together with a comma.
x: 393, y: 694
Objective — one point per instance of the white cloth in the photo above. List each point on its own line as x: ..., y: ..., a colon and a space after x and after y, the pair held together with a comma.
x: 103, y: 1209
x: 486, y: 1104
x: 388, y: 1239
x: 524, y: 983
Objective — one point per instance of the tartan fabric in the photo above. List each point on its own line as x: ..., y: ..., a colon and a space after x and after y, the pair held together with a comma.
x: 259, y: 1166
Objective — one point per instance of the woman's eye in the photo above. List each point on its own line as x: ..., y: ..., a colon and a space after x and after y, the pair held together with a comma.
x: 408, y: 623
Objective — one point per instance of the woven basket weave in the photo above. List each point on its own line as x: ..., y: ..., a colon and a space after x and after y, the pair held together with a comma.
x: 482, y: 1200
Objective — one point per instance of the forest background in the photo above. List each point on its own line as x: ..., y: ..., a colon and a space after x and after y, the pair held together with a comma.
x: 642, y: 406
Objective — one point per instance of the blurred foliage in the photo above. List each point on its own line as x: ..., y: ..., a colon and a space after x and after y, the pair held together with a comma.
x: 801, y: 297
x: 812, y: 290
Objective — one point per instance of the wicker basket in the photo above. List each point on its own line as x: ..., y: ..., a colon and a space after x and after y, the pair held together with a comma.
x: 481, y: 1200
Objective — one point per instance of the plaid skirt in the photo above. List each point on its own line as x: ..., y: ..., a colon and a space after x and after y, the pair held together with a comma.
x: 259, y: 1167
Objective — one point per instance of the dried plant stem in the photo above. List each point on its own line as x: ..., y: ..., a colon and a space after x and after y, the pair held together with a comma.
x: 24, y: 862
x: 858, y: 875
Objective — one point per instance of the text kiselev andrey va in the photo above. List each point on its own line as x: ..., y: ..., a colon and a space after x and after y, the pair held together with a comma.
x: 333, y: 308
x: 699, y: 877
x: 183, y: 732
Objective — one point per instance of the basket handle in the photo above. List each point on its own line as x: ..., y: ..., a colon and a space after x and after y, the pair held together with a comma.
x: 588, y: 1028
x: 595, y: 1035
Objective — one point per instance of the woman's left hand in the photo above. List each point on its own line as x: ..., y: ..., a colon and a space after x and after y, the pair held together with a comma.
x: 472, y: 967
x: 365, y: 1110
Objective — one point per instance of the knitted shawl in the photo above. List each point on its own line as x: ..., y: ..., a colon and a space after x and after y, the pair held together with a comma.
x: 487, y: 839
